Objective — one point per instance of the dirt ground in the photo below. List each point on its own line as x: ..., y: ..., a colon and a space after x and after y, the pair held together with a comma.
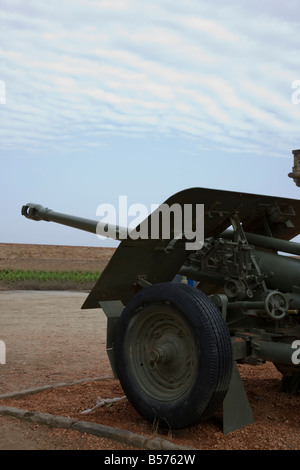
x: 50, y: 340
x: 54, y: 257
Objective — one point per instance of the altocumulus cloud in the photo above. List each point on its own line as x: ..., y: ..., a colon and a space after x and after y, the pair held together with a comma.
x: 219, y: 73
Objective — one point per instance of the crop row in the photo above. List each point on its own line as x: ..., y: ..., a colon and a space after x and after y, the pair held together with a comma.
x: 11, y: 275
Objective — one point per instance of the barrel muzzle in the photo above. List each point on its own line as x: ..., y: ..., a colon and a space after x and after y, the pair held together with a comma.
x: 34, y: 211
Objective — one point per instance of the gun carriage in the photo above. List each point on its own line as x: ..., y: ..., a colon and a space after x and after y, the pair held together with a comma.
x: 175, y: 347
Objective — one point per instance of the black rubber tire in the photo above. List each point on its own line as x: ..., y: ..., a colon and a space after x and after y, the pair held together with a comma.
x: 201, y: 364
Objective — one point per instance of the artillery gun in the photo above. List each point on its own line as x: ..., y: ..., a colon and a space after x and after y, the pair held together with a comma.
x: 175, y: 347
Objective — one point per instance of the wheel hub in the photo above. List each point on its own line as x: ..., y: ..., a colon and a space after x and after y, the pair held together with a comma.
x: 164, y: 356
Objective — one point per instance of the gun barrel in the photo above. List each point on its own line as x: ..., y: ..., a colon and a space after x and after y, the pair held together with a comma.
x: 262, y: 241
x: 37, y: 212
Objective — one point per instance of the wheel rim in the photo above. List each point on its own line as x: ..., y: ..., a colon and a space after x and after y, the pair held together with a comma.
x: 163, y: 352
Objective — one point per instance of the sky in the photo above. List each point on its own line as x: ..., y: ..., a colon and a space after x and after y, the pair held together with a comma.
x: 107, y: 98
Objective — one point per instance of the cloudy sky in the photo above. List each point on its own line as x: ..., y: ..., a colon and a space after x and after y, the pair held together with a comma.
x: 107, y: 98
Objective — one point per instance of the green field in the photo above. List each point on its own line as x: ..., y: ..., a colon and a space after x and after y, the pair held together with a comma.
x: 11, y: 275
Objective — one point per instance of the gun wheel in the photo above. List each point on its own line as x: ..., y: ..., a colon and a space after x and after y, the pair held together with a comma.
x: 173, y: 355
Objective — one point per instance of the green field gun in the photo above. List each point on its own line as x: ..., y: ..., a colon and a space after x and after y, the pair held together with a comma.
x: 175, y: 346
